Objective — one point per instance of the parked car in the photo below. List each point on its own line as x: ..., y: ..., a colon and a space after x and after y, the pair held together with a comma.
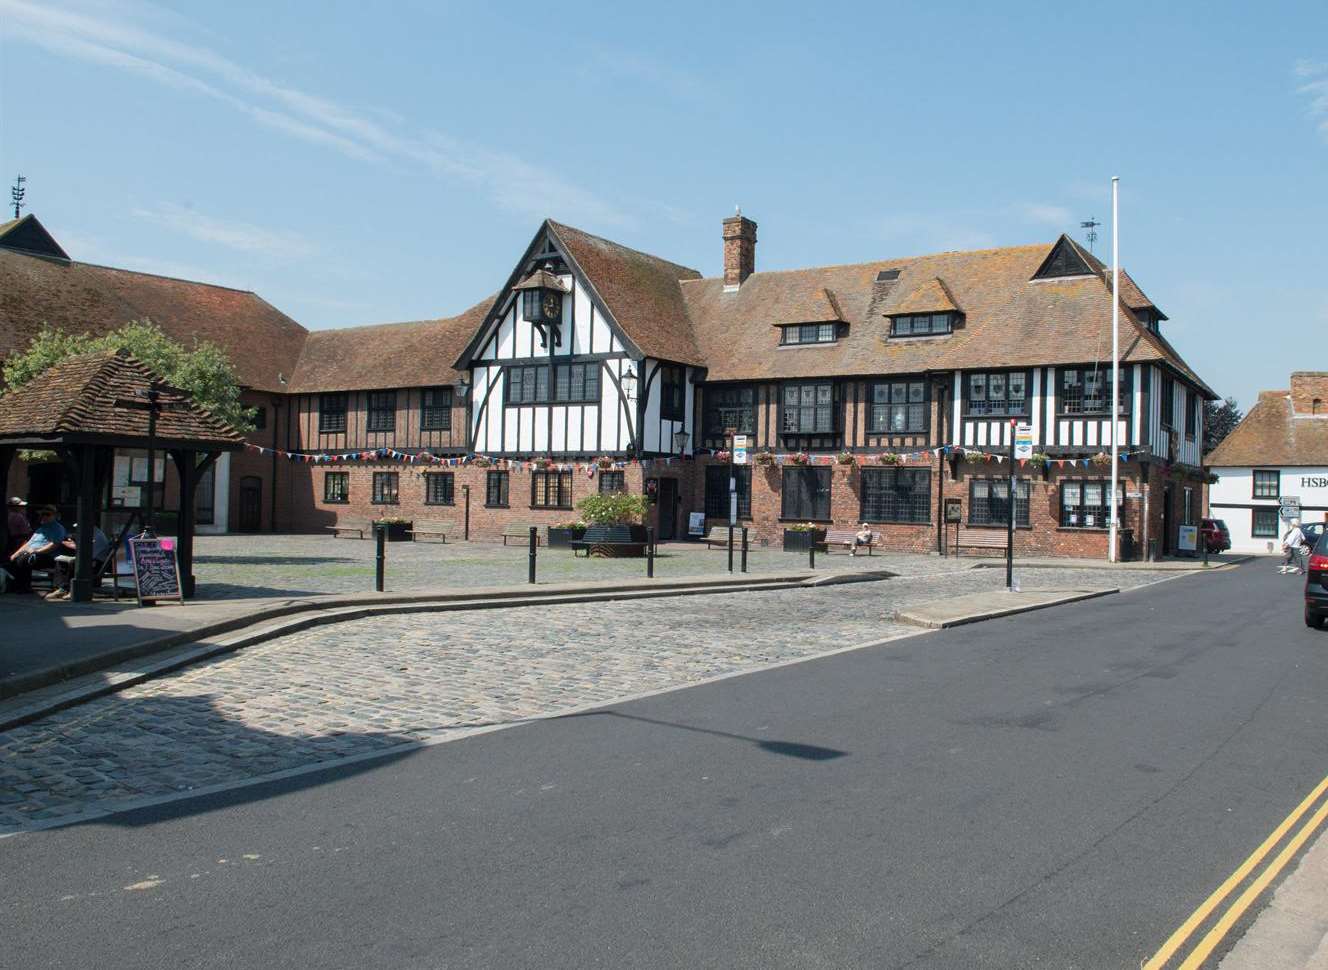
x: 1215, y: 534
x: 1313, y: 533
x: 1316, y: 584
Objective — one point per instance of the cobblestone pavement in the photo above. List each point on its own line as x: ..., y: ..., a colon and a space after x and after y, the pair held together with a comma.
x: 357, y: 687
x: 246, y: 566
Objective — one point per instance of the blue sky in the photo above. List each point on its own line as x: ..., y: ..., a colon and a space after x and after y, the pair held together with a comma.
x: 358, y: 166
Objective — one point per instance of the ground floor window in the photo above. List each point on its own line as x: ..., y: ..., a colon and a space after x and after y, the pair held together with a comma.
x: 717, y: 491
x: 551, y: 490
x: 610, y: 482
x: 385, y: 486
x: 495, y: 490
x: 1265, y: 523
x: 336, y: 488
x: 1085, y: 503
x: 806, y: 494
x: 989, y: 501
x: 896, y: 495
x: 438, y: 488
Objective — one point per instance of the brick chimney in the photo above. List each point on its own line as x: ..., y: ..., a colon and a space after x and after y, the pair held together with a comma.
x: 739, y: 250
x: 1307, y: 388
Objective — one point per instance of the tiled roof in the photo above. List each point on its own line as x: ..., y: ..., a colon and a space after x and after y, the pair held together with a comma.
x: 1271, y: 434
x: 639, y: 290
x: 1009, y: 321
x: 78, y: 397
x: 930, y: 296
x: 260, y: 340
x: 386, y: 355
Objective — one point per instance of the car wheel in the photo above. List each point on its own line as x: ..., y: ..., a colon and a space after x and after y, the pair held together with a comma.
x: 1314, y: 620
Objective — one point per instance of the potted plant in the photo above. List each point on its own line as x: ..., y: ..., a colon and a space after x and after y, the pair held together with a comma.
x: 798, y: 536
x: 616, y: 516
x: 765, y: 458
x: 1039, y: 461
x: 888, y: 458
x: 480, y: 461
x: 565, y: 533
x: 1102, y: 460
x: 722, y: 455
x: 398, y: 529
x: 800, y: 458
x: 604, y: 463
x: 845, y: 458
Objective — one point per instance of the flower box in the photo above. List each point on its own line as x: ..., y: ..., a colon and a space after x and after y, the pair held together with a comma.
x: 562, y: 536
x: 798, y: 540
x: 397, y: 530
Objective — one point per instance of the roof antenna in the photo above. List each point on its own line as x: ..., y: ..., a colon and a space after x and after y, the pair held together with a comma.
x: 16, y: 195
x: 1091, y: 225
x: 737, y: 210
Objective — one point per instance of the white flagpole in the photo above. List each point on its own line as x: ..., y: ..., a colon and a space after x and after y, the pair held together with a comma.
x: 1115, y: 362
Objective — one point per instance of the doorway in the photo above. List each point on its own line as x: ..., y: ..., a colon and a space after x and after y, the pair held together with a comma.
x: 666, y: 502
x: 1166, y: 520
x: 251, y: 504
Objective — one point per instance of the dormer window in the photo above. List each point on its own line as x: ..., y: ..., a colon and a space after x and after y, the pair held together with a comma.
x: 809, y: 333
x: 921, y: 324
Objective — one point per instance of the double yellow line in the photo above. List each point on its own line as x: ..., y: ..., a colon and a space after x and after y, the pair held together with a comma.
x: 1205, y: 947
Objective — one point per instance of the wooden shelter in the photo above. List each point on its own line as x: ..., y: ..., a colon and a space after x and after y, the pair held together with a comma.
x: 84, y: 408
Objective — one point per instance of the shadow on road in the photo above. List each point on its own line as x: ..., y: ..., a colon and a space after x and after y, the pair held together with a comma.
x: 790, y: 749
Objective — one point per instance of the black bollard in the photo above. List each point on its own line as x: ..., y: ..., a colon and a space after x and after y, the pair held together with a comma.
x: 534, y: 543
x: 380, y: 536
x: 744, y: 548
x: 811, y: 554
x: 730, y: 547
x: 650, y: 553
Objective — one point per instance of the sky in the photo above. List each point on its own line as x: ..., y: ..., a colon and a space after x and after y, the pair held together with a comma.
x: 359, y: 164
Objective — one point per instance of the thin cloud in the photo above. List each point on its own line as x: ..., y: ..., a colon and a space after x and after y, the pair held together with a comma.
x: 1316, y: 89
x: 240, y: 236
x: 1052, y: 215
x: 369, y: 135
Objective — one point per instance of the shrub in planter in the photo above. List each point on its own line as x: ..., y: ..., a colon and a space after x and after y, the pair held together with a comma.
x: 799, y: 535
x: 845, y: 458
x: 479, y: 461
x: 800, y: 458
x: 888, y: 458
x: 617, y: 508
x: 398, y: 529
x: 565, y: 533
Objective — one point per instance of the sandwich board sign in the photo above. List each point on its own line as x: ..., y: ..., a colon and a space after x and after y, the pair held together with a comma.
x: 1023, y: 441
x: 156, y: 569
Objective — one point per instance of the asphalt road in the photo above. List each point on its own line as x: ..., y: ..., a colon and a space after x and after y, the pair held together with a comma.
x: 1059, y: 789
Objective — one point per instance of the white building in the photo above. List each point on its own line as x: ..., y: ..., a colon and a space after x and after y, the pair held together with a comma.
x: 1276, y: 458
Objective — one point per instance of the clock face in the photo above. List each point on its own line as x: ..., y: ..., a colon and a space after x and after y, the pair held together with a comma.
x: 553, y: 306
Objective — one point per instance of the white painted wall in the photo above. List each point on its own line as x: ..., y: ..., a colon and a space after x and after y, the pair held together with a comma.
x: 221, y: 497
x: 1231, y: 499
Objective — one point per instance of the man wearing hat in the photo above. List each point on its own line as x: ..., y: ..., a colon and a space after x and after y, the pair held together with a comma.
x: 19, y: 527
x: 39, y: 551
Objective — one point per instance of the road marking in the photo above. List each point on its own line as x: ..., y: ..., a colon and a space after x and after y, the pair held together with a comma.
x: 1206, y: 909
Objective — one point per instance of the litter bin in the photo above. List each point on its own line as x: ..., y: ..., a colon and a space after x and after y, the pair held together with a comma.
x: 1128, y: 550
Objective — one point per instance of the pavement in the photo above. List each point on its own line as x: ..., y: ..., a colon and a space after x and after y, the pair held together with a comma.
x: 1056, y: 790
x: 1292, y: 932
x: 990, y: 604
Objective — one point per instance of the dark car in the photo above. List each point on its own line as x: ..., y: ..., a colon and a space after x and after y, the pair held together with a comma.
x: 1316, y: 584
x: 1313, y: 532
x: 1216, y: 535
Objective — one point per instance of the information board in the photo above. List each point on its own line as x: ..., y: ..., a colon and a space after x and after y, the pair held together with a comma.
x: 1188, y: 540
x: 739, y: 449
x: 156, y: 570
x: 1023, y: 441
x: 696, y: 523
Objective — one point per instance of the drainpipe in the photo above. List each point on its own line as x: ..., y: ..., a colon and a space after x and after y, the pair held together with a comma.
x: 943, y: 437
x: 272, y: 513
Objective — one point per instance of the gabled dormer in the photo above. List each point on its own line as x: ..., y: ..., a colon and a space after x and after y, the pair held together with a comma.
x: 1065, y: 261
x: 816, y: 320
x: 28, y: 235
x: 929, y: 310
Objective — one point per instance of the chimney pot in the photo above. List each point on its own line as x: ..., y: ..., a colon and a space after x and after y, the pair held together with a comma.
x: 739, y: 250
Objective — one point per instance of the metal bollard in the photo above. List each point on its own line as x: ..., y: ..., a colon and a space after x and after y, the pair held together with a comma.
x: 380, y: 537
x: 534, y: 544
x: 650, y: 553
x: 730, y: 547
x: 744, y: 548
x: 811, y: 555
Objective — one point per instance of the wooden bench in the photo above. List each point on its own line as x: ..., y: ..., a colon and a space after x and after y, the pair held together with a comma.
x: 849, y: 539
x: 719, y: 536
x: 344, y: 529
x: 980, y: 539
x: 432, y: 530
x: 521, y: 530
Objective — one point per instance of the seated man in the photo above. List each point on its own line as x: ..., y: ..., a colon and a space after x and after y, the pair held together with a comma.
x: 67, y: 559
x: 863, y: 537
x: 39, y: 551
x: 19, y: 526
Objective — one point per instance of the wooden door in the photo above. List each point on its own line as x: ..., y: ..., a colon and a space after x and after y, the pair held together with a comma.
x: 666, y: 501
x: 251, y: 504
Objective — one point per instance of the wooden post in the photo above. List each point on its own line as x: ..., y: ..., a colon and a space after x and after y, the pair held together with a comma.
x: 80, y: 587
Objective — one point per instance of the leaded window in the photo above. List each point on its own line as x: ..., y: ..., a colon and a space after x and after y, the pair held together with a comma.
x: 806, y: 494
x: 382, y: 411
x: 571, y: 383
x: 998, y: 393
x: 1087, y: 390
x: 717, y: 491
x: 336, y: 488
x: 672, y: 393
x: 331, y: 413
x: 898, y: 407
x: 989, y: 501
x: 1265, y: 523
x: 1086, y: 503
x: 809, y: 333
x: 495, y: 490
x: 611, y: 482
x: 1267, y: 483
x: 896, y: 495
x: 1168, y: 403
x: 385, y: 488
x: 920, y: 324
x: 576, y: 383
x: 1191, y: 414
x: 436, y: 409
x: 526, y: 385
x: 809, y: 409
x: 733, y: 406
x: 551, y: 490
x: 438, y: 488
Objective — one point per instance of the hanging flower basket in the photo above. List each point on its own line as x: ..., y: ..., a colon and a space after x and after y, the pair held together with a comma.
x: 1102, y: 460
x: 604, y: 463
x: 722, y: 455
x: 479, y: 461
x: 800, y: 458
x: 845, y: 458
x: 888, y: 458
x: 765, y: 457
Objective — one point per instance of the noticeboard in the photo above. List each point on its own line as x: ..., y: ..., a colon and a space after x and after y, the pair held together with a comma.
x: 1188, y: 540
x: 696, y: 523
x: 954, y: 510
x: 1023, y: 441
x: 156, y: 569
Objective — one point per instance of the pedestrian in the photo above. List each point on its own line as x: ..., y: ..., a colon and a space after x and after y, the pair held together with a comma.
x: 1293, y: 544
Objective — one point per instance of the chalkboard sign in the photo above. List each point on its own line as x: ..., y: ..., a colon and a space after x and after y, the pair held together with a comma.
x: 156, y: 570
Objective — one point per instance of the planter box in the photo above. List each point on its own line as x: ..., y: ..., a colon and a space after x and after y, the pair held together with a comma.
x: 398, y: 531
x: 614, y: 541
x: 563, y: 538
x: 798, y: 540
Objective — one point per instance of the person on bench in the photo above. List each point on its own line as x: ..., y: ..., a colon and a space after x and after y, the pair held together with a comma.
x: 39, y: 551
x: 66, y: 560
x: 19, y: 526
x: 863, y: 538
